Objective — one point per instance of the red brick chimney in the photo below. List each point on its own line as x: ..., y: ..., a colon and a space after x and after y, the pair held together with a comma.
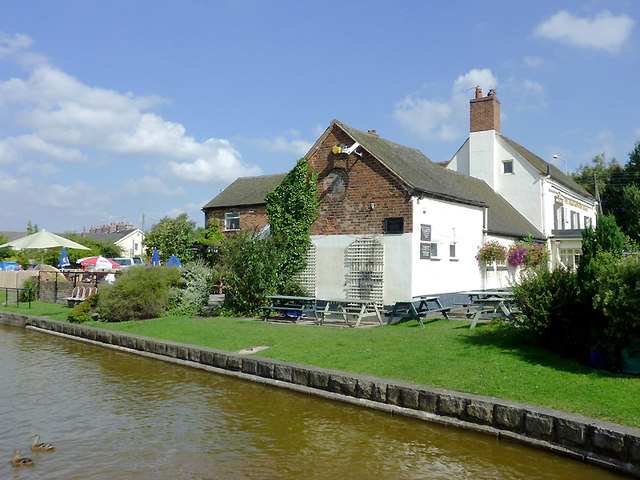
x: 485, y: 112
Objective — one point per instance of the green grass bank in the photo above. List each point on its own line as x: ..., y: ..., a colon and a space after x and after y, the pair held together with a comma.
x: 447, y: 354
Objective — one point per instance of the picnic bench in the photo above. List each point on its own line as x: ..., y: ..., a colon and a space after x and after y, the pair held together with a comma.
x: 290, y: 307
x: 415, y: 309
x: 80, y: 294
x: 490, y: 304
x: 355, y: 308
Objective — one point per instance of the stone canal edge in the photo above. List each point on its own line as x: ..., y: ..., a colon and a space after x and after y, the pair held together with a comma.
x: 605, y: 444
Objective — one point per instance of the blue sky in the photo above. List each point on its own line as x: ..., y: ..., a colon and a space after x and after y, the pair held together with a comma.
x: 112, y: 110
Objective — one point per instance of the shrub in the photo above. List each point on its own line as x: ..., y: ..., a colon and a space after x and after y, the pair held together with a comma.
x: 491, y: 251
x: 618, y: 298
x: 196, y: 280
x: 139, y: 293
x: 252, y: 270
x: 28, y: 295
x: 550, y: 310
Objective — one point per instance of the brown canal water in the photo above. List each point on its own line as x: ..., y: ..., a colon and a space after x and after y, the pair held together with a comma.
x: 115, y: 415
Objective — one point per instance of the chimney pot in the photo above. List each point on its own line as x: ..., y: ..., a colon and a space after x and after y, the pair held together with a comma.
x: 478, y: 92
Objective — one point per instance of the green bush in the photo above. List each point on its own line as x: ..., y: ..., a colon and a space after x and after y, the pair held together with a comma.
x: 550, y: 310
x: 82, y: 312
x: 139, y: 293
x: 196, y: 280
x: 618, y: 298
x: 252, y: 270
x: 28, y: 295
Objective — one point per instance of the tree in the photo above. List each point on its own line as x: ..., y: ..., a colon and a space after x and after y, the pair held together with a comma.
x: 292, y: 208
x: 32, y: 228
x: 629, y: 214
x: 208, y: 239
x: 173, y: 236
x: 6, y: 251
x: 618, y: 186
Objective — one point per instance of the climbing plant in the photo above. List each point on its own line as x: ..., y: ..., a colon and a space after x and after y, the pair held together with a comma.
x: 292, y: 208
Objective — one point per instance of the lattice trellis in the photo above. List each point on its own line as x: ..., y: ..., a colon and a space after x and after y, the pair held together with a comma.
x: 364, y: 260
x: 307, y: 278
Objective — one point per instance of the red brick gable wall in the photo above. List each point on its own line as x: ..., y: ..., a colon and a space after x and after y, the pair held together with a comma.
x: 252, y: 217
x: 366, y: 182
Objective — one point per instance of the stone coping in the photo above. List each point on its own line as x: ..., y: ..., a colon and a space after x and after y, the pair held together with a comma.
x: 605, y: 444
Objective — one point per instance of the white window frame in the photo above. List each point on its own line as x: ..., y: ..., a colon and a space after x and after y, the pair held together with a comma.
x: 504, y: 167
x: 229, y: 217
x: 434, y: 248
x: 453, y: 249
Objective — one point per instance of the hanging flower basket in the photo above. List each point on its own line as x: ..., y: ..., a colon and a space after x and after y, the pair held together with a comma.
x: 491, y: 252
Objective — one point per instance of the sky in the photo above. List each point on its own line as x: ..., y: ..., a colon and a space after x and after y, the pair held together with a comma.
x: 133, y: 111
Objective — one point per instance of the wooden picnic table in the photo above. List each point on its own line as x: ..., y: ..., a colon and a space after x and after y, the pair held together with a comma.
x: 289, y: 306
x: 416, y: 308
x: 490, y: 303
x: 357, y: 308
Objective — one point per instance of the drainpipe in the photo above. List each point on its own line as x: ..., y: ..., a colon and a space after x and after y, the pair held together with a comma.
x: 485, y: 227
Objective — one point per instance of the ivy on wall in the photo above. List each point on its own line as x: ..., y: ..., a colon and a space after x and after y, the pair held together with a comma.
x: 292, y: 208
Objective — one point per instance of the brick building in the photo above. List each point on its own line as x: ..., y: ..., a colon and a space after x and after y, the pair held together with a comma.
x: 393, y: 225
x: 242, y: 206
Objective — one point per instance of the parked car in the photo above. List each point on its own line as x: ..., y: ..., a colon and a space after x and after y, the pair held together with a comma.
x: 126, y: 262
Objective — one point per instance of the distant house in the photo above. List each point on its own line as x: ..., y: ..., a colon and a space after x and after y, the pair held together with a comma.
x: 549, y: 199
x: 123, y: 235
x: 242, y: 205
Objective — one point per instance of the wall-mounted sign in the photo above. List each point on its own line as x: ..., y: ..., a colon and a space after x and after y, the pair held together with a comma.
x: 425, y: 251
x: 425, y: 233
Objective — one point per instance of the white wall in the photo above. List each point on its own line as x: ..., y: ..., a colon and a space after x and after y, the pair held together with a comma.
x: 331, y: 270
x: 450, y: 223
x: 571, y: 202
x: 131, y: 244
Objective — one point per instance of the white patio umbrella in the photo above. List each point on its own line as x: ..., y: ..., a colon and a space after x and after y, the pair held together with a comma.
x: 43, y: 239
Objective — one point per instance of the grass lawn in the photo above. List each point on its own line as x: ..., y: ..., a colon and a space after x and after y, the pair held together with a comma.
x: 487, y: 360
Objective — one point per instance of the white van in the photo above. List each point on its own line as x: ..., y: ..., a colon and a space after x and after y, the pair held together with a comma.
x: 126, y: 262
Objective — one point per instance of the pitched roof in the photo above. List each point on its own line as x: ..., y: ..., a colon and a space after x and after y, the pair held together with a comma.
x: 423, y: 176
x: 246, y: 191
x: 540, y: 165
x: 111, y: 237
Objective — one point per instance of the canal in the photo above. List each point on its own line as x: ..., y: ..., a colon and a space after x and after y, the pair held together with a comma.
x: 115, y: 415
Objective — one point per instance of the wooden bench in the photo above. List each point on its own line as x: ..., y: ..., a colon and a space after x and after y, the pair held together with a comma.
x: 80, y: 294
x: 349, y: 307
x: 287, y: 306
x: 415, y: 309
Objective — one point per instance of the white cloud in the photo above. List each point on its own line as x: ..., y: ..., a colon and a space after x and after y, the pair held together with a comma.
x: 605, y: 31
x: 443, y: 119
x: 215, y: 160
x: 290, y: 142
x: 63, y: 118
x: 13, y: 44
x: 38, y: 169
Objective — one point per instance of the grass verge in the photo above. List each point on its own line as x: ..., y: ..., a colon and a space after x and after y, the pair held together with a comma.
x: 488, y: 360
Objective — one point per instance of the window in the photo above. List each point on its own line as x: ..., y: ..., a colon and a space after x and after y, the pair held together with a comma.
x: 507, y: 166
x: 452, y: 251
x: 434, y: 251
x: 575, y: 220
x: 232, y: 221
x: 570, y: 257
x: 587, y: 222
x: 394, y: 225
